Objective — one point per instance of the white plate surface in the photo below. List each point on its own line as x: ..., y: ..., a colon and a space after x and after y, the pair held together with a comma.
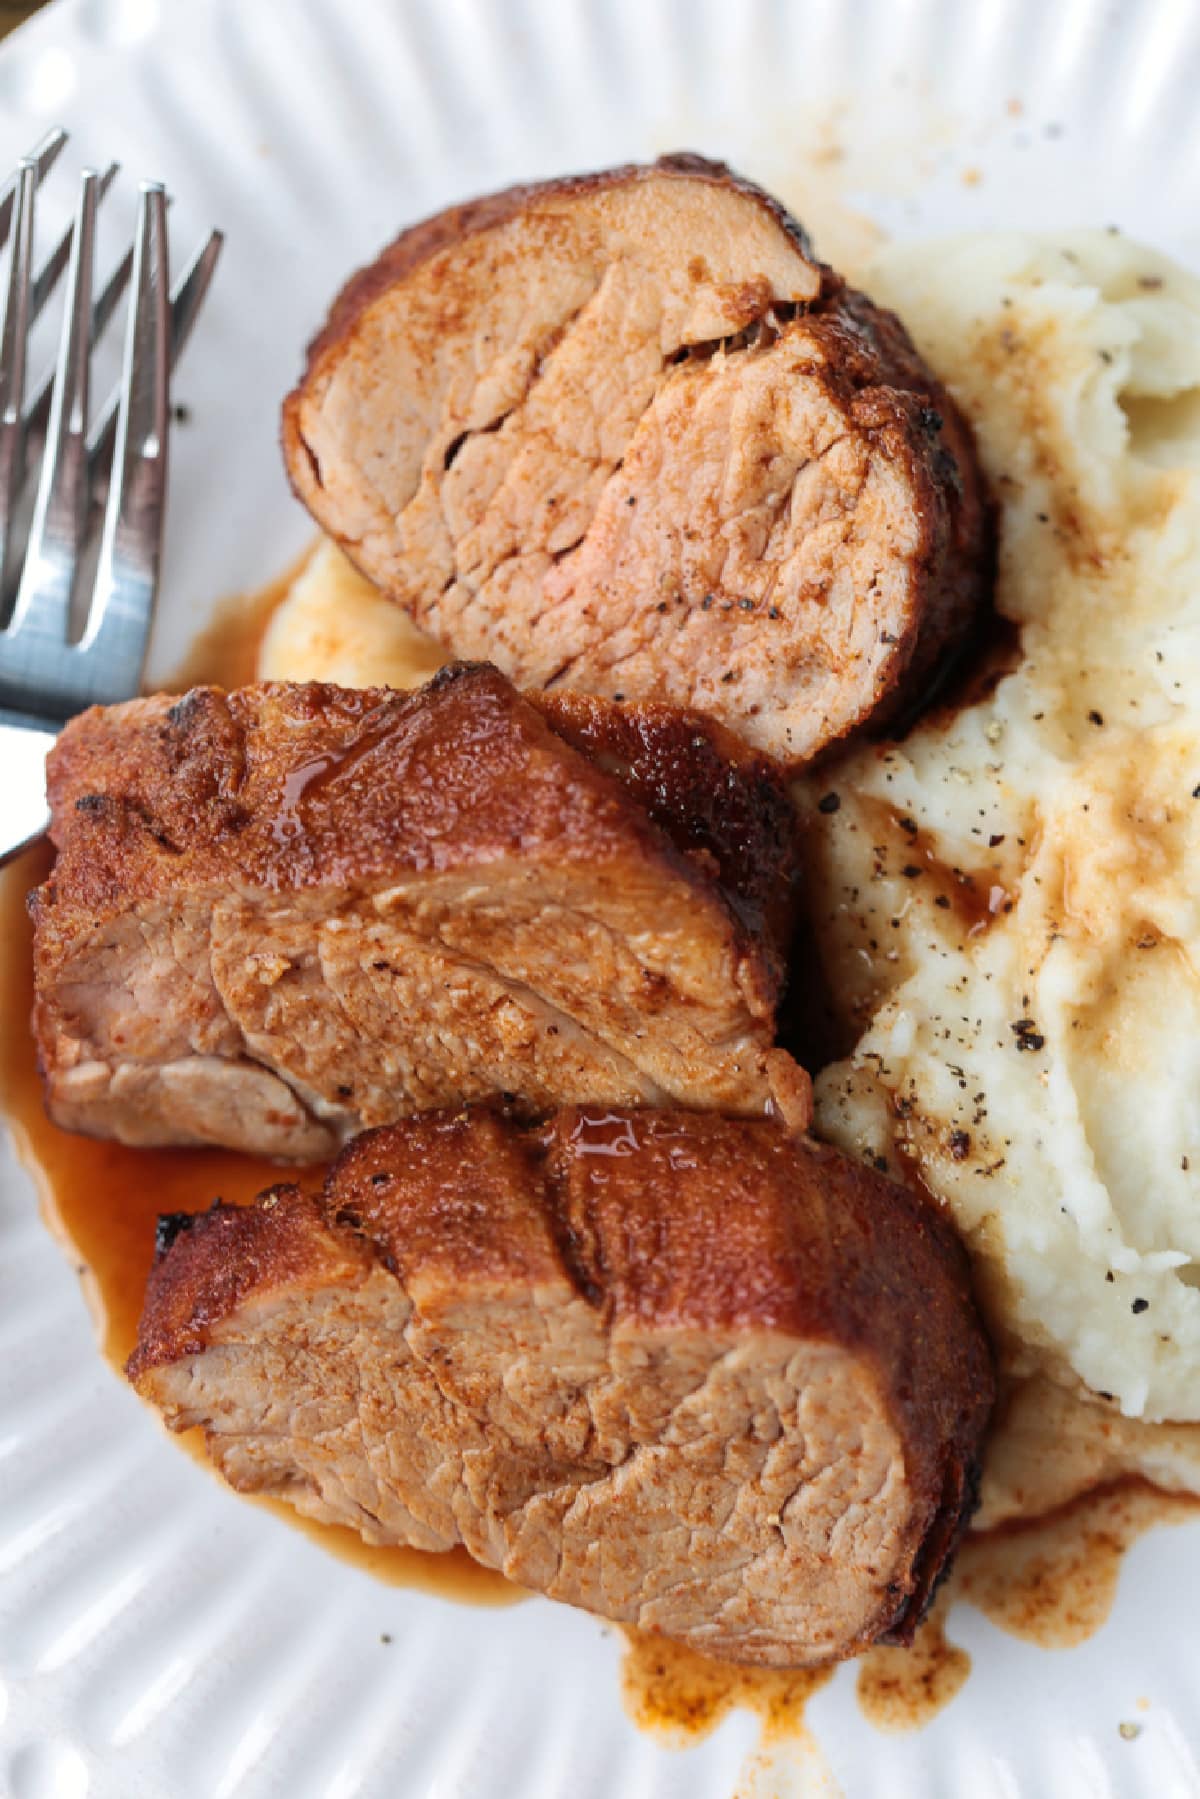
x: 157, y: 1637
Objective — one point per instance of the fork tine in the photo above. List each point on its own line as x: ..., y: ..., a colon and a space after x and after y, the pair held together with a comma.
x: 188, y: 296
x: 13, y: 346
x: 186, y: 300
x: 42, y: 156
x: 46, y: 279
x: 61, y: 509
x: 131, y: 543
x: 106, y: 303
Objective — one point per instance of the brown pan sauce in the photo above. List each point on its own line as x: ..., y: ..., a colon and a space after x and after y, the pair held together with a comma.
x: 226, y: 652
x: 101, y: 1200
x: 1050, y: 1582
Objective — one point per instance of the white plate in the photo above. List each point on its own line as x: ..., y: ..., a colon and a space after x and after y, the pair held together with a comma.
x: 157, y: 1637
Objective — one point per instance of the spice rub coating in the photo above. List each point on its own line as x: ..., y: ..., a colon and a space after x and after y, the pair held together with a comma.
x: 687, y: 1372
x: 624, y: 434
x: 283, y: 913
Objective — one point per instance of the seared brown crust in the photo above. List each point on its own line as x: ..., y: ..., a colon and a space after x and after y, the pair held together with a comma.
x: 669, y: 1223
x: 308, y: 785
x: 207, y: 1264
x: 902, y: 405
x: 720, y: 802
x: 848, y: 1256
x: 253, y: 888
x: 871, y: 376
x: 443, y: 230
x: 958, y: 518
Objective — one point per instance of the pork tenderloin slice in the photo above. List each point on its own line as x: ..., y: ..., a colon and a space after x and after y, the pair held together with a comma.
x: 626, y: 435
x: 687, y: 1372
x: 281, y: 914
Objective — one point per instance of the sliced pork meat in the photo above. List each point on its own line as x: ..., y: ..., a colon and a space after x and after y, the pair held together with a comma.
x: 283, y: 913
x: 624, y: 434
x: 685, y: 1371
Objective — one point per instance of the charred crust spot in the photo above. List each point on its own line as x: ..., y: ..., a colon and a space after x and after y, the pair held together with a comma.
x: 960, y: 1497
x: 187, y: 710
x: 168, y: 1227
x: 457, y: 674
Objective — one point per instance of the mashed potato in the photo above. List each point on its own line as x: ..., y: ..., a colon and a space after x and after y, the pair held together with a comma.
x: 333, y: 625
x: 1007, y: 900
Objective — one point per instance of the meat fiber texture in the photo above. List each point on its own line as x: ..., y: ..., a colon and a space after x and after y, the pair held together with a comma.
x: 624, y: 434
x: 283, y: 913
x: 690, y: 1373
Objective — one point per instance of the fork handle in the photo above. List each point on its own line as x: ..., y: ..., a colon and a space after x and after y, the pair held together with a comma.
x: 24, y: 814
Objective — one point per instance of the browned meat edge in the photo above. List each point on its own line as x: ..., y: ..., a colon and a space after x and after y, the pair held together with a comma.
x: 872, y: 364
x: 760, y: 1232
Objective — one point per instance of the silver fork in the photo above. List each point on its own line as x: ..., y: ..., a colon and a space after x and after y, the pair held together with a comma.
x: 101, y: 484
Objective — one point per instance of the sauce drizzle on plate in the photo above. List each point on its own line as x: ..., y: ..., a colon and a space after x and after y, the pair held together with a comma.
x: 101, y: 1201
x: 1051, y: 1582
